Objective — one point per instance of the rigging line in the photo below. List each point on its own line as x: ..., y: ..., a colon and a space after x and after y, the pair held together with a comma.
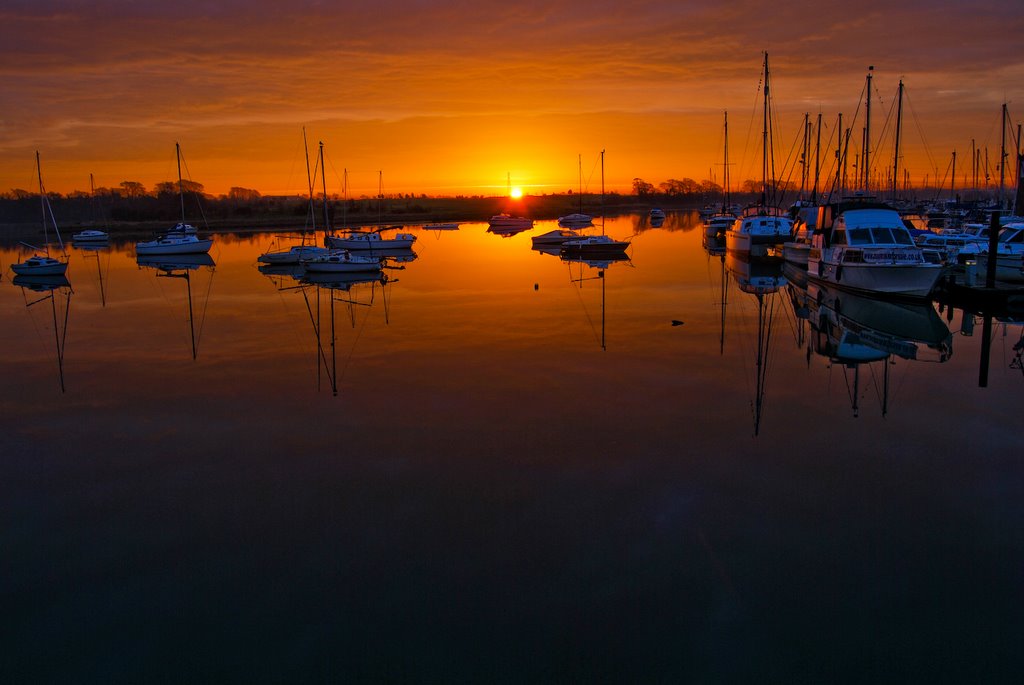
x: 920, y: 130
x: 750, y: 128
x: 206, y: 304
x: 195, y: 193
x: 579, y: 295
x: 322, y: 354
x: 359, y: 334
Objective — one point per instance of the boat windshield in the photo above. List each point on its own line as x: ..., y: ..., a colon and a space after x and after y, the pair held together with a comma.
x: 1011, y: 234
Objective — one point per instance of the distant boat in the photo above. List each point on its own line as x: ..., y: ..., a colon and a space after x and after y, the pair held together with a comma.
x: 656, y: 215
x: 507, y: 222
x: 91, y: 236
x: 578, y: 219
x: 43, y: 264
x: 441, y: 227
x: 369, y: 240
x: 555, y: 237
x: 595, y: 244
x: 182, y: 238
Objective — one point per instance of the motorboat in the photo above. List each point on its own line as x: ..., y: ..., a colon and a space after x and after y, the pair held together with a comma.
x: 340, y: 261
x: 796, y: 250
x: 576, y: 220
x: 758, y: 229
x: 869, y: 249
x: 90, y: 236
x: 1009, y: 254
x: 718, y: 224
x: 293, y: 255
x: 180, y: 243
x: 506, y: 222
x: 656, y: 214
x: 956, y: 246
x: 40, y: 265
x: 369, y: 240
x: 556, y: 237
x: 594, y: 244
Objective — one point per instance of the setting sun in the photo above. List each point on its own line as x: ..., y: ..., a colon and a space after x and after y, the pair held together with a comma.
x: 515, y: 193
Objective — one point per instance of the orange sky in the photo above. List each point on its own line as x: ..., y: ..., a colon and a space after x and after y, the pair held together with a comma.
x: 450, y: 97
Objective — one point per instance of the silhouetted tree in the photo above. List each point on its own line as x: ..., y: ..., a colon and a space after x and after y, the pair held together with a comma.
x: 132, y: 189
x: 243, y: 194
x: 642, y: 187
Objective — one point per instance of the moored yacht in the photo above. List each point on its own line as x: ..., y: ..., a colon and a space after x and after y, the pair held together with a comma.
x: 758, y: 229
x: 869, y: 249
x: 369, y: 240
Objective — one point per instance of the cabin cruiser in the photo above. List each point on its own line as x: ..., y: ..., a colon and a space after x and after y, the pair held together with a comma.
x: 758, y: 229
x: 1009, y: 254
x: 869, y: 249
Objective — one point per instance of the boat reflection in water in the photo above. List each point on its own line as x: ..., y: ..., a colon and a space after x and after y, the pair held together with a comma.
x: 50, y: 287
x: 763, y: 280
x: 93, y: 250
x: 853, y: 330
x: 181, y: 266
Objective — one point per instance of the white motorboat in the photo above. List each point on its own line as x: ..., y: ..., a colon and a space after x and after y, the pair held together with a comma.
x: 956, y: 246
x: 656, y: 214
x: 718, y: 224
x: 506, y: 222
x: 1009, y: 254
x: 340, y: 261
x: 369, y: 240
x: 556, y: 237
x: 292, y: 255
x: 43, y: 264
x: 869, y: 249
x: 40, y: 265
x: 796, y: 250
x: 757, y: 230
x: 182, y: 243
x: 576, y: 220
x: 90, y: 236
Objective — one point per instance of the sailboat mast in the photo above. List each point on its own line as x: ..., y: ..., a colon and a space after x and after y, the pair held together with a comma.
x: 1002, y: 159
x: 817, y: 163
x: 839, y: 156
x: 952, y: 178
x: 602, y: 192
x: 309, y: 179
x: 323, y: 179
x: 725, y: 161
x: 42, y: 198
x: 865, y: 161
x: 181, y: 186
x: 899, y: 125
x: 579, y: 158
x: 764, y: 138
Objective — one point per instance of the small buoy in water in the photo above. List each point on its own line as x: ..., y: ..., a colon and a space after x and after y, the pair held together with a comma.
x: 676, y: 322
x: 536, y: 286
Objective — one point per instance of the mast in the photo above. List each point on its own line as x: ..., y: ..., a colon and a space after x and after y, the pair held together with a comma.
x: 579, y: 158
x: 764, y: 138
x: 896, y: 154
x: 181, y: 188
x: 817, y: 163
x: 323, y: 178
x: 602, y: 192
x: 309, y: 180
x: 806, y: 152
x: 865, y: 162
x: 1002, y: 159
x: 952, y: 178
x: 725, y: 200
x: 839, y: 157
x: 42, y: 203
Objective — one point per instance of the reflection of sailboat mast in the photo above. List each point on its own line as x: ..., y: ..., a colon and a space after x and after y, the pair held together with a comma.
x: 60, y: 334
x: 764, y: 333
x: 188, y: 288
x: 725, y: 298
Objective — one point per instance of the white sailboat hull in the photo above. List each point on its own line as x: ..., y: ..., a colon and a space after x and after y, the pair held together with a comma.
x: 174, y: 245
x: 40, y: 267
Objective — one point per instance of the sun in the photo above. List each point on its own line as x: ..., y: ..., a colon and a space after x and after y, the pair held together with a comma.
x: 515, y: 193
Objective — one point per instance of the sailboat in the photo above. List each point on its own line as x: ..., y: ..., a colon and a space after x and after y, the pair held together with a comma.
x: 763, y: 225
x: 372, y: 241
x: 595, y: 244
x: 91, y: 236
x: 43, y: 264
x: 578, y: 219
x: 296, y: 253
x: 181, y: 239
x: 504, y: 223
x: 336, y: 260
x: 720, y: 222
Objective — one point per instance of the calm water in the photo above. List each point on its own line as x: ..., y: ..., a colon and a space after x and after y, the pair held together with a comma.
x: 531, y: 471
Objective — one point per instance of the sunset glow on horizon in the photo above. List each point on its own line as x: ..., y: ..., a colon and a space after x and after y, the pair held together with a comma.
x: 449, y: 99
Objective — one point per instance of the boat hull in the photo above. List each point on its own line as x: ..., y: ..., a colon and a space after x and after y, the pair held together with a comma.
x: 367, y: 243
x: 160, y: 247
x: 48, y: 268
x: 907, y: 280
